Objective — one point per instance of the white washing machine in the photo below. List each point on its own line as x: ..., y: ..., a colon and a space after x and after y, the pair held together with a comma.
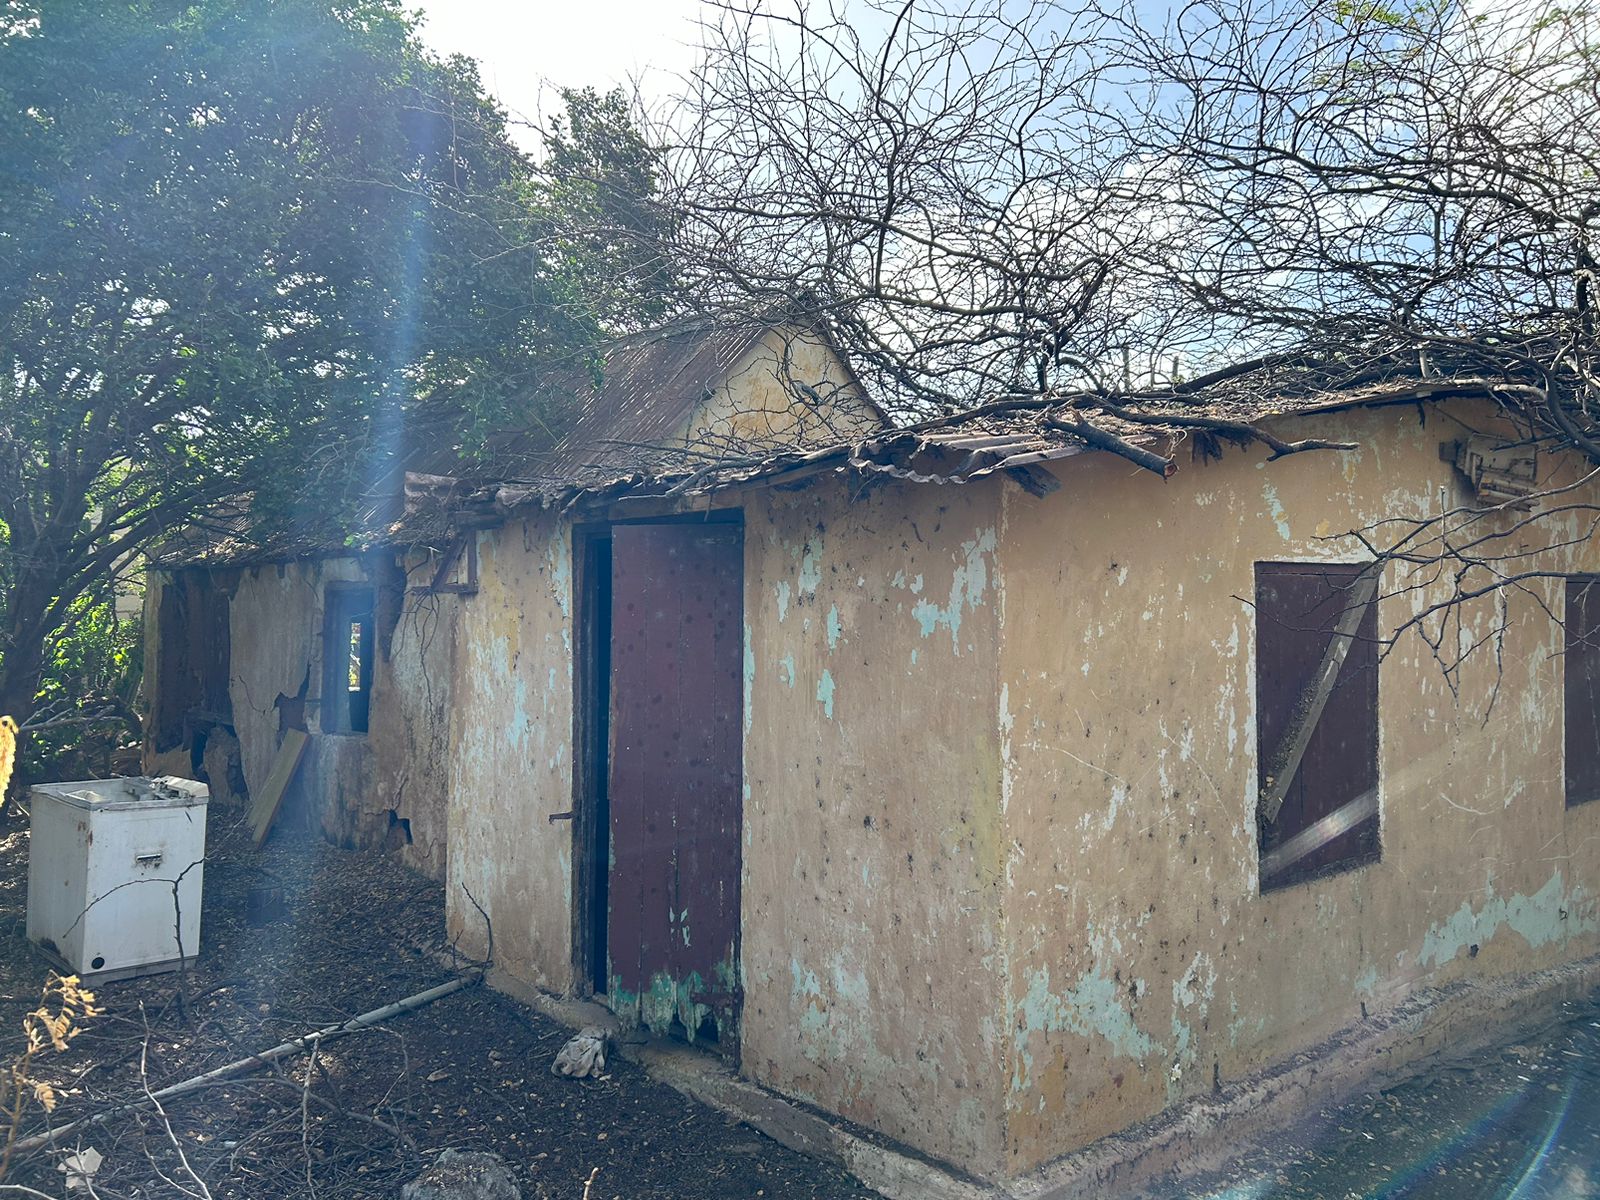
x: 114, y: 874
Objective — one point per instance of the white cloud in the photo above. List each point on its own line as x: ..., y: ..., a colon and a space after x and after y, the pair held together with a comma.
x: 525, y: 49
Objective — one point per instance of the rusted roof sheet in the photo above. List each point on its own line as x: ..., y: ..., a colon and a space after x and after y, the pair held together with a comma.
x: 647, y: 389
x: 616, y: 451
x: 1016, y: 438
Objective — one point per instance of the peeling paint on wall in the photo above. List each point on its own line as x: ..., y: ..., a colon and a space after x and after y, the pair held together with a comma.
x: 1132, y: 791
x: 1551, y: 914
x: 825, y: 693
x: 1275, y: 509
x: 968, y: 586
x: 873, y: 847
x: 1092, y: 1006
x: 510, y: 755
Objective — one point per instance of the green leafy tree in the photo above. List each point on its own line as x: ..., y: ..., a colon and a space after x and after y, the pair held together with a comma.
x: 605, y: 180
x: 258, y: 247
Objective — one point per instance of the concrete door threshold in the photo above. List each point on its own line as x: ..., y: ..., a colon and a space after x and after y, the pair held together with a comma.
x: 1196, y: 1136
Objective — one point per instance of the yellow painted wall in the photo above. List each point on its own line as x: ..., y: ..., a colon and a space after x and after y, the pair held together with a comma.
x: 789, y: 390
x: 872, y: 946
x: 999, y: 885
x: 510, y: 755
x: 1143, y: 963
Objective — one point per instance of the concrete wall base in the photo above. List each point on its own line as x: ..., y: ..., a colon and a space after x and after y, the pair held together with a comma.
x: 1204, y: 1135
x: 1199, y: 1136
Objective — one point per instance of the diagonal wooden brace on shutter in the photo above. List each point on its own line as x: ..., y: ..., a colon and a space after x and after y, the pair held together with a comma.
x: 1286, y: 764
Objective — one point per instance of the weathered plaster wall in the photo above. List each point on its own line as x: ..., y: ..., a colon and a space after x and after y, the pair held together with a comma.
x: 157, y: 762
x: 872, y: 949
x: 756, y: 406
x: 362, y: 790
x: 275, y: 621
x: 412, y: 709
x: 510, y: 755
x: 1143, y: 963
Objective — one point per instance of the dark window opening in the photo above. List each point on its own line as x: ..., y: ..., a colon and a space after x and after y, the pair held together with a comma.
x: 1316, y: 726
x: 347, y: 660
x: 1582, y: 691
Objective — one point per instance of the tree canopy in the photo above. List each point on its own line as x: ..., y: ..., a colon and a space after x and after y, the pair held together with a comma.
x: 249, y: 246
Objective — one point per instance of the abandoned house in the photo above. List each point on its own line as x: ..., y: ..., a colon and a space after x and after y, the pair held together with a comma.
x: 957, y: 780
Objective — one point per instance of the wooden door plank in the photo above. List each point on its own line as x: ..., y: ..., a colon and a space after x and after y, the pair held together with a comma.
x: 265, y: 808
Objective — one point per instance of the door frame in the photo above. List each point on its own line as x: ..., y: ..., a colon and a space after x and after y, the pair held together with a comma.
x: 591, y: 717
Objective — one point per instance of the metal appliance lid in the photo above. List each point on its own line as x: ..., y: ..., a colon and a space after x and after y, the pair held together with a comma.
x: 108, y: 795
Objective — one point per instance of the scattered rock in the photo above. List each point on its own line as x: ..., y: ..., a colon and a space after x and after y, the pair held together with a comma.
x: 464, y: 1175
x: 583, y: 1055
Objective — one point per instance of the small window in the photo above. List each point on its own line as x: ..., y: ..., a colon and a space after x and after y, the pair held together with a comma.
x: 1582, y: 690
x: 1316, y: 719
x: 347, y: 660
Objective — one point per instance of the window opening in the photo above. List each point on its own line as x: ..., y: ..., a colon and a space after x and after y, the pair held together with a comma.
x: 1582, y: 691
x: 347, y: 675
x: 1316, y: 719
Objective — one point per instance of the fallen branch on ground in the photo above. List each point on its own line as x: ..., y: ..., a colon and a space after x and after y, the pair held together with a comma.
x: 296, y: 1046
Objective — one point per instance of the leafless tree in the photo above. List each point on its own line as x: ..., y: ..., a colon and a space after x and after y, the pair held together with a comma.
x: 1088, y: 208
x: 991, y: 199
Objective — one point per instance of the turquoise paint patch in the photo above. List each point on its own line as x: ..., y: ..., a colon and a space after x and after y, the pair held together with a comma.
x: 1547, y: 916
x: 810, y: 568
x: 560, y: 559
x: 783, y: 600
x: 832, y: 627
x: 749, y: 679
x: 521, y: 722
x: 1090, y: 1008
x: 968, y: 586
x: 850, y: 987
x: 807, y: 997
x: 786, y: 665
x: 825, y: 693
x: 1275, y: 507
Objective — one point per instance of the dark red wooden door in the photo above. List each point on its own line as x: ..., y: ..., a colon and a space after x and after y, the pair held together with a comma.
x: 676, y: 775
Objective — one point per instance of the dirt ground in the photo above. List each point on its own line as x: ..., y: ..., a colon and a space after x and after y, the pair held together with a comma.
x: 470, y: 1071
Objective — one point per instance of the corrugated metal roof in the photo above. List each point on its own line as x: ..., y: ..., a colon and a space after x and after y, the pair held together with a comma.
x: 648, y: 387
x: 1017, y: 437
x: 651, y: 387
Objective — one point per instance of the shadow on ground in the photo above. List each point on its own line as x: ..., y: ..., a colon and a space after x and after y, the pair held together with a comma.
x: 1520, y: 1123
x: 470, y: 1071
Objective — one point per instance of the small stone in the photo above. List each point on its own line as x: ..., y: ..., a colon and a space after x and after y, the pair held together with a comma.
x: 464, y: 1175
